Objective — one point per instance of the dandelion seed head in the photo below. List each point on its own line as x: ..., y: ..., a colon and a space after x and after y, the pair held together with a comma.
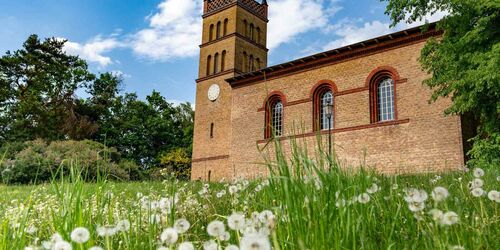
x: 182, y: 225
x: 210, y: 245
x: 236, y: 221
x: 373, y: 189
x: 440, y: 194
x: 225, y: 236
x: 476, y: 183
x: 96, y: 248
x: 416, y: 206
x: 80, y: 235
x: 123, y: 225
x: 449, y: 218
x: 457, y: 248
x: 186, y: 246
x: 169, y: 236
x: 477, y: 192
x: 363, y: 198
x: 232, y: 247
x: 216, y: 228
x: 62, y: 245
x: 106, y: 231
x: 478, y: 172
x: 494, y: 195
x: 255, y: 242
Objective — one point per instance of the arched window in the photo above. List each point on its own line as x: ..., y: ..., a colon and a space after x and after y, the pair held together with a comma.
x: 257, y: 63
x: 245, y: 27
x: 323, y: 105
x: 383, y: 94
x: 385, y: 99
x: 211, y: 33
x: 209, y: 59
x: 216, y: 63
x: 251, y: 64
x: 251, y: 32
x: 274, y: 116
x: 218, y: 30
x: 245, y: 62
x: 223, y: 61
x: 226, y: 21
x: 258, y: 35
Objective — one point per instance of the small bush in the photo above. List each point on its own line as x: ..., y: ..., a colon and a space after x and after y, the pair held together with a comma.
x: 37, y: 161
x: 176, y: 162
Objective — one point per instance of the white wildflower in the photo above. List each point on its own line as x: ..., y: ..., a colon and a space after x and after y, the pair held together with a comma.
x: 255, y: 242
x: 182, y: 225
x: 437, y: 215
x: 186, y: 246
x: 457, y: 248
x: 416, y: 206
x: 233, y: 189
x: 210, y: 245
x: 62, y: 245
x: 106, y: 231
x: 477, y: 192
x: 415, y: 195
x: 494, y: 195
x: 267, y: 217
x: 440, y: 194
x: 80, y: 235
x: 449, y: 218
x: 169, y: 236
x: 123, y: 225
x: 476, y: 183
x: 236, y: 221
x: 215, y: 228
x: 363, y: 198
x: 232, y: 247
x: 225, y: 236
x: 478, y: 172
x: 154, y: 219
x: 373, y: 189
x: 31, y: 230
x: 96, y: 248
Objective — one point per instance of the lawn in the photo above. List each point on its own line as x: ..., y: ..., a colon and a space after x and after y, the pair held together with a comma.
x: 310, y: 209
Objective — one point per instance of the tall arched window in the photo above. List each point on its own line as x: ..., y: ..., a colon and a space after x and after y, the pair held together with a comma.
x: 245, y: 27
x: 385, y: 99
x: 323, y: 101
x: 257, y: 63
x: 211, y: 33
x: 218, y: 30
x: 216, y: 63
x: 382, y: 84
x: 209, y: 59
x: 245, y: 62
x: 223, y: 61
x: 258, y: 35
x: 251, y: 32
x: 226, y: 21
x: 251, y: 64
x: 274, y: 116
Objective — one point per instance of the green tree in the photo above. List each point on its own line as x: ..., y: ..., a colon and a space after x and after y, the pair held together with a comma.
x: 464, y: 63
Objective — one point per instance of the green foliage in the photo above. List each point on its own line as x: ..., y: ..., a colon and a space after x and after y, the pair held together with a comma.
x: 38, y: 101
x: 38, y: 161
x: 464, y: 63
x: 177, y: 162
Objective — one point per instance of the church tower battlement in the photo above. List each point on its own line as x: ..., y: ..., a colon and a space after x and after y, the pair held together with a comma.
x: 233, y: 43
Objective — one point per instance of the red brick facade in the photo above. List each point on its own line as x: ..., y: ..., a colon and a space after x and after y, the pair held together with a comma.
x: 418, y: 138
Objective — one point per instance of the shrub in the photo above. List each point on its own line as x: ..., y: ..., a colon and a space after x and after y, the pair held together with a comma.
x: 177, y: 162
x: 38, y: 161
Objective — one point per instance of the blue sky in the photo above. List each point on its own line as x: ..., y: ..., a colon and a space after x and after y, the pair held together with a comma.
x: 154, y: 43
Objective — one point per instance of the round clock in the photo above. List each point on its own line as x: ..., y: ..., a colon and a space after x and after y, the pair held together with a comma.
x: 213, y: 92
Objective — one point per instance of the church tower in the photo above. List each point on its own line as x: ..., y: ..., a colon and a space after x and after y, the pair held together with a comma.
x: 233, y: 43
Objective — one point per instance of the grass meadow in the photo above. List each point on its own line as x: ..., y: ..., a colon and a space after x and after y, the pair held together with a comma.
x: 304, y: 204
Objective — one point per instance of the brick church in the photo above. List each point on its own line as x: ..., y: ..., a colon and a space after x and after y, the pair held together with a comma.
x: 368, y: 95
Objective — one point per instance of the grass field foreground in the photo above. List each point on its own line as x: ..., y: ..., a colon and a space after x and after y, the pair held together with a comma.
x: 301, y: 206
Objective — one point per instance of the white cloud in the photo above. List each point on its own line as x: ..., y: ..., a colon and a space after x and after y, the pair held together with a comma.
x: 94, y: 50
x: 173, y: 32
x: 351, y: 31
x: 289, y: 18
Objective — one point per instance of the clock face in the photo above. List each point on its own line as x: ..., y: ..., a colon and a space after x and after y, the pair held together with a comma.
x: 213, y: 92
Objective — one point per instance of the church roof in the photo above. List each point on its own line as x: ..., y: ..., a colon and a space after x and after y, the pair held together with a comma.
x: 356, y: 50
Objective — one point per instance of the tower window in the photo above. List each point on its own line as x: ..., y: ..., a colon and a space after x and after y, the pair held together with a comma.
x: 252, y: 32
x: 226, y: 21
x: 212, y: 130
x: 245, y: 27
x: 209, y: 59
x: 211, y: 33
x: 218, y: 30
x: 216, y: 63
x: 245, y: 62
x: 258, y: 35
x: 223, y: 61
